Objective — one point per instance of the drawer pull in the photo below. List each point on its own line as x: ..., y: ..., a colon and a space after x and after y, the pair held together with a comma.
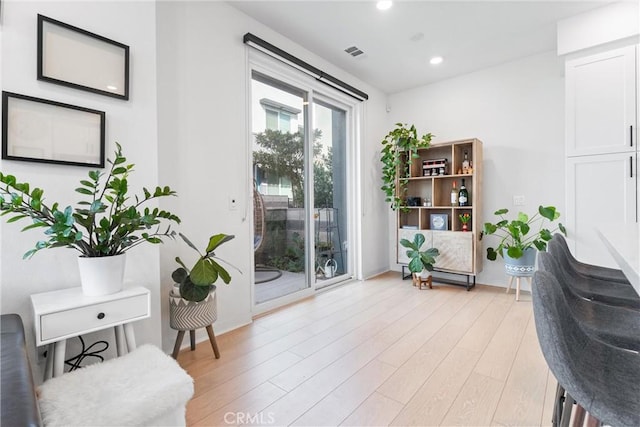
x: 100, y: 316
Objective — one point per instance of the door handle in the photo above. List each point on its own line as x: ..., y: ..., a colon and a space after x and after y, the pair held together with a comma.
x: 631, y: 136
x: 630, y: 166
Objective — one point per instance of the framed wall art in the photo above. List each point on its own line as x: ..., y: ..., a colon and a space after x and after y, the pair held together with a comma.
x: 439, y: 221
x: 40, y: 130
x: 77, y: 58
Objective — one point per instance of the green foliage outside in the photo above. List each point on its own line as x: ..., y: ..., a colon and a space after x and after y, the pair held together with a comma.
x: 281, y: 155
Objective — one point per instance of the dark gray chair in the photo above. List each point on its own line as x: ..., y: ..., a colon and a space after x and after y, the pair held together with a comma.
x: 603, y: 379
x: 558, y: 247
x: 607, y: 292
x: 618, y: 326
x: 19, y: 404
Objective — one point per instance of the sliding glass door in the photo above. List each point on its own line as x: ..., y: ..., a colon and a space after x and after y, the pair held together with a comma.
x: 330, y: 192
x: 279, y: 114
x: 300, y: 194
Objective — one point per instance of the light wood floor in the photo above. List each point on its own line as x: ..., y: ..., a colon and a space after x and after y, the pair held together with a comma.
x: 378, y: 352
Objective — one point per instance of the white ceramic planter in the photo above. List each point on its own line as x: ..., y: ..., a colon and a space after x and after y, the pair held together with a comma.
x: 524, y: 266
x: 101, y: 275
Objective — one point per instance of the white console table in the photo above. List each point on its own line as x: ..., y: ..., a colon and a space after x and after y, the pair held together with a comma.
x: 67, y: 313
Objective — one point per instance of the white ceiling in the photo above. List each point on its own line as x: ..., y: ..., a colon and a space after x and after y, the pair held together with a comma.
x: 399, y: 42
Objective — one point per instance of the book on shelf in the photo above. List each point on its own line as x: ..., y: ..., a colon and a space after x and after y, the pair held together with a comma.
x: 410, y: 227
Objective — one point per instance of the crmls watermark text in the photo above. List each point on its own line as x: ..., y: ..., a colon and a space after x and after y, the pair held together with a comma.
x: 241, y: 418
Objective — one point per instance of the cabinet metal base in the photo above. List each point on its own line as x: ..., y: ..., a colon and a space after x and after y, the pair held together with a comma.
x: 469, y: 284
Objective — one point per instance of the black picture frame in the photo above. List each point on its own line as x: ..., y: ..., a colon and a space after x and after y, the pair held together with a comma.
x: 45, y: 131
x: 77, y: 58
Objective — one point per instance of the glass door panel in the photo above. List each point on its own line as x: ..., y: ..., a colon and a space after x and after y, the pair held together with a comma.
x: 279, y: 114
x: 330, y: 193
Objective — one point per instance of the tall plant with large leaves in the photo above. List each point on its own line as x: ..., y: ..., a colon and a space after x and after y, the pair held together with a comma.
x: 107, y: 222
x: 399, y: 147
x: 522, y: 233
x: 419, y: 259
x: 196, y: 282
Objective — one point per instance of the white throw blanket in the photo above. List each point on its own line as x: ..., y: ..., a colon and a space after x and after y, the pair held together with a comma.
x: 130, y: 390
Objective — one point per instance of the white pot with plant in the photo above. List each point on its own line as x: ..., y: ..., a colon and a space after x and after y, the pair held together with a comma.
x: 102, y: 228
x: 521, y: 238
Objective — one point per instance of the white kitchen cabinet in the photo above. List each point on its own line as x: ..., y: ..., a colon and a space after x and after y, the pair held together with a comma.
x: 600, y: 94
x: 601, y: 190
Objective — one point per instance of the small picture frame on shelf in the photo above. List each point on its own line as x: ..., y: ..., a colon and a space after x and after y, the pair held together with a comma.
x: 439, y: 222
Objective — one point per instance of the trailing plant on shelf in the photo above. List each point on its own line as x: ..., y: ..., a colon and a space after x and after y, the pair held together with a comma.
x: 524, y: 232
x: 399, y: 147
x: 419, y: 260
x: 195, y: 283
x: 108, y: 222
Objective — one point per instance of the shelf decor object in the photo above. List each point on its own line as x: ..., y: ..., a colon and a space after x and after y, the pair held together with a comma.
x: 77, y: 58
x: 439, y: 221
x: 40, y: 130
x: 455, y: 230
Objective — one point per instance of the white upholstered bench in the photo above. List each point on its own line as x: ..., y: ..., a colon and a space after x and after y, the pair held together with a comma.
x: 143, y: 388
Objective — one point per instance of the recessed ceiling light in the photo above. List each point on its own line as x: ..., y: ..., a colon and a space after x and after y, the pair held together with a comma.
x: 112, y: 87
x: 435, y: 60
x: 384, y: 5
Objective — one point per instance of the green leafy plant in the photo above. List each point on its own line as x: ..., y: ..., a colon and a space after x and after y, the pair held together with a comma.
x: 399, y: 147
x: 420, y: 260
x: 464, y: 218
x: 522, y: 233
x: 108, y: 222
x: 196, y: 282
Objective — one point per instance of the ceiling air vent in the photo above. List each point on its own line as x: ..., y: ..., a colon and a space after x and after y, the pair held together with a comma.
x: 354, y: 51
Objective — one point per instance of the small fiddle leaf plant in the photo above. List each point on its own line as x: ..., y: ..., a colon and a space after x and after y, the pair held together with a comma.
x: 523, y: 232
x: 196, y: 282
x: 420, y: 260
x: 109, y: 221
x: 399, y: 147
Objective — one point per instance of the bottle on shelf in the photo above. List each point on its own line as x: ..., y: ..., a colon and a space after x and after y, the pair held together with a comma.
x: 465, y: 163
x: 454, y: 195
x: 463, y: 195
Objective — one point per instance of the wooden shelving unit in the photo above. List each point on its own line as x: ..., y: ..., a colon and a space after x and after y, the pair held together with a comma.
x: 460, y: 251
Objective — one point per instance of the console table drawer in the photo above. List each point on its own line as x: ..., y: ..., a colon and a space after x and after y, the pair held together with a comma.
x: 92, y: 317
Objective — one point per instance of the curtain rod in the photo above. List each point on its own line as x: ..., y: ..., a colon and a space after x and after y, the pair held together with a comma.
x: 274, y: 51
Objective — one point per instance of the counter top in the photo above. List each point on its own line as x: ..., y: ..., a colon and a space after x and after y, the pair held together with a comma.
x: 623, y: 243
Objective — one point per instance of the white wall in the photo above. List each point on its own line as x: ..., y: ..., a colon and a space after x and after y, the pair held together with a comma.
x: 132, y: 123
x: 203, y: 89
x: 517, y: 110
x: 600, y: 26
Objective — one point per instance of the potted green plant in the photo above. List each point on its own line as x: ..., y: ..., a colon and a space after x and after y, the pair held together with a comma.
x: 399, y: 147
x: 521, y: 237
x: 193, y: 304
x: 196, y: 283
x: 421, y: 262
x: 102, y: 227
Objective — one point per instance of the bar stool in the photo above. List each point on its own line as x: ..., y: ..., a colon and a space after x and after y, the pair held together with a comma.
x: 607, y: 292
x: 618, y: 326
x: 601, y: 378
x: 557, y: 246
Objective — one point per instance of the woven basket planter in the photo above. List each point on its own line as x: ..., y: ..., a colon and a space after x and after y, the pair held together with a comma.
x: 188, y: 315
